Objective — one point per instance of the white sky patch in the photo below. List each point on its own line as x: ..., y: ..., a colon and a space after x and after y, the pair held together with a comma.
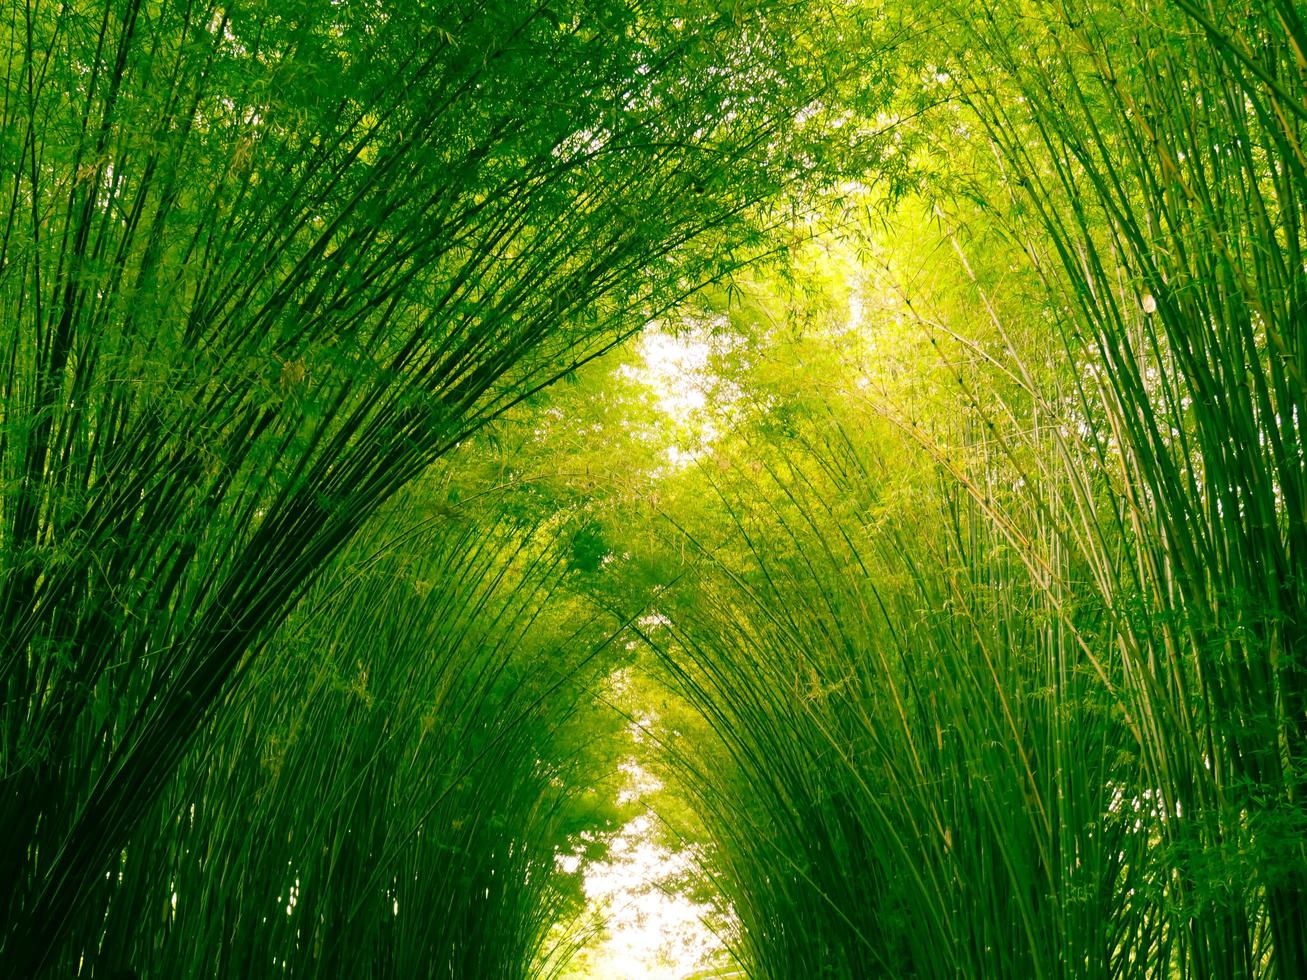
x: 653, y: 934
x: 856, y: 307
x: 675, y: 369
x: 694, y: 405
x: 639, y: 729
x: 653, y: 620
x: 653, y: 930
x: 639, y: 779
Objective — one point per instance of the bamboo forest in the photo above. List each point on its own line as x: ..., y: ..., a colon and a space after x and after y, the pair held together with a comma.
x: 653, y: 489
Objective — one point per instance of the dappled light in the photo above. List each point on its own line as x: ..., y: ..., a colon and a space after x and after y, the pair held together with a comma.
x: 653, y: 491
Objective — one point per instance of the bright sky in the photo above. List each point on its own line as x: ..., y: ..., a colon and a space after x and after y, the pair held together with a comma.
x: 654, y: 930
x: 677, y: 371
x: 653, y: 934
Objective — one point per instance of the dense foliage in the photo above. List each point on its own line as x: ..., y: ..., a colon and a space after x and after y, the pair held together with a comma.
x: 967, y: 596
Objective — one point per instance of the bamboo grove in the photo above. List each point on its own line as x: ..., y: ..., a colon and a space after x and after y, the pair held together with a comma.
x: 971, y: 630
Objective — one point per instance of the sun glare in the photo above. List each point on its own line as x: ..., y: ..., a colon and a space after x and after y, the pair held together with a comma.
x: 655, y: 931
x: 692, y: 403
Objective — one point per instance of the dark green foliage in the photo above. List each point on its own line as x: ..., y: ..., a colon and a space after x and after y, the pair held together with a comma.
x: 384, y: 794
x: 588, y: 549
x: 261, y: 265
x: 983, y: 639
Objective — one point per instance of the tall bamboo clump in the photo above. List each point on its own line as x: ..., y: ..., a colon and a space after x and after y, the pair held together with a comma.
x: 1046, y: 717
x: 259, y: 266
x: 912, y: 776
x: 1160, y: 148
x: 385, y: 792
